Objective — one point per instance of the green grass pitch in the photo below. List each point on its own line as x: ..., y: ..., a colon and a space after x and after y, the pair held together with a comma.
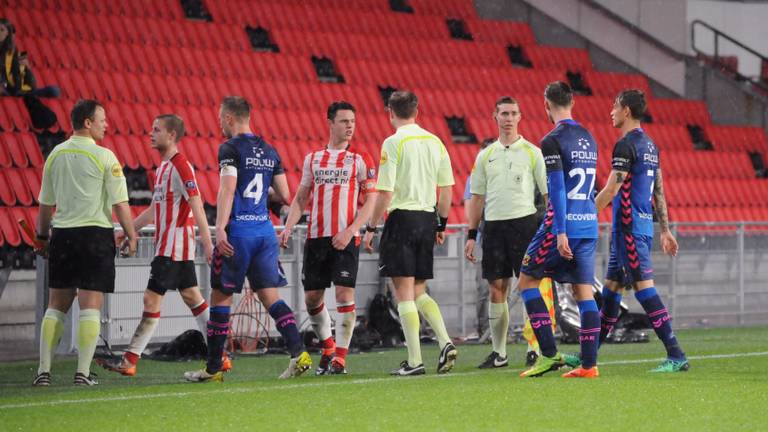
x: 726, y: 389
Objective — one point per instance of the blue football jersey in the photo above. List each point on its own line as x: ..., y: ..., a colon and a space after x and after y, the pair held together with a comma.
x: 636, y: 155
x: 257, y: 163
x: 570, y: 148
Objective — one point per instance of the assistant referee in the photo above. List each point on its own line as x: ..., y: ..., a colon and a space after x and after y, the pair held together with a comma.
x: 503, y: 183
x: 83, y: 182
x: 414, y: 163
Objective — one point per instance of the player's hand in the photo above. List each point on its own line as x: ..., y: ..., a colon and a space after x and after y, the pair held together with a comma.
x: 342, y: 239
x: 563, y: 247
x: 119, y: 237
x: 285, y: 237
x: 368, y: 241
x: 208, y: 251
x: 223, y: 246
x: 668, y: 243
x: 440, y: 237
x: 41, y: 247
x: 128, y: 247
x: 469, y: 251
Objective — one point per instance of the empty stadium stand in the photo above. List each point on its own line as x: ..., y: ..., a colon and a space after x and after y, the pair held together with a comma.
x: 143, y: 57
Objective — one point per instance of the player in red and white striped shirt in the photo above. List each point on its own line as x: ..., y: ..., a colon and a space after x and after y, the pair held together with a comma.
x: 336, y: 178
x: 175, y: 198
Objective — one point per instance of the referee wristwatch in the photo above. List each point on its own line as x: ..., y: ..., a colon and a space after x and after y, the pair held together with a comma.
x: 371, y: 229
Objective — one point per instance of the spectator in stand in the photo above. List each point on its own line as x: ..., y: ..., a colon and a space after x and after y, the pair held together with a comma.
x: 28, y: 82
x: 10, y: 79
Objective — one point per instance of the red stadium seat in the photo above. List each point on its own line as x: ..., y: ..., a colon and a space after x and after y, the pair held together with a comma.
x: 19, y: 186
x: 9, y: 227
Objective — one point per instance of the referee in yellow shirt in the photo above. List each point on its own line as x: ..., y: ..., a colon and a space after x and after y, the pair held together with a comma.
x: 83, y: 182
x: 503, y: 183
x: 414, y: 164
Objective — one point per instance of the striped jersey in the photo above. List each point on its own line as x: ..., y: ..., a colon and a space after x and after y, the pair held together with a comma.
x: 175, y: 183
x: 337, y: 179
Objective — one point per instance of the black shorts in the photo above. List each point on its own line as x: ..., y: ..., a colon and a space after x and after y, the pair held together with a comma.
x: 504, y: 244
x: 324, y: 264
x: 407, y: 243
x: 83, y: 258
x: 167, y: 274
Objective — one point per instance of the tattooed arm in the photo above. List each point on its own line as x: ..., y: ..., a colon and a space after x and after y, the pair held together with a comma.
x: 662, y: 215
x: 612, y: 186
x: 668, y: 241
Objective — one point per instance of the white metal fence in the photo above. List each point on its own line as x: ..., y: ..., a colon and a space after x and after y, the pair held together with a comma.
x: 718, y: 279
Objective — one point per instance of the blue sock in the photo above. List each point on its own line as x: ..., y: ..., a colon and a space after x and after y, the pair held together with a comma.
x: 285, y: 322
x: 609, y: 314
x: 589, y: 334
x: 218, y: 330
x: 661, y: 321
x: 541, y: 322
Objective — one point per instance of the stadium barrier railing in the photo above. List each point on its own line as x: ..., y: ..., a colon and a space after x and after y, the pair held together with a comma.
x: 717, y: 279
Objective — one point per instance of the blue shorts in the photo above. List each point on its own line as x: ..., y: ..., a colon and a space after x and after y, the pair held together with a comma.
x: 256, y: 258
x: 543, y: 260
x: 630, y: 260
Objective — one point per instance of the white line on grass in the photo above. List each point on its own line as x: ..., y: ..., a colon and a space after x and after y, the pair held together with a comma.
x: 322, y: 384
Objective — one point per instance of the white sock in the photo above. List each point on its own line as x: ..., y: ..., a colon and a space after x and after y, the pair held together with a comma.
x: 143, y: 333
x: 202, y: 314
x: 345, y: 325
x: 321, y: 322
x: 498, y: 320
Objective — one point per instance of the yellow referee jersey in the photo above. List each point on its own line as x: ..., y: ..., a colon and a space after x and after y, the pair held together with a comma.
x: 83, y: 180
x: 414, y: 163
x: 507, y: 176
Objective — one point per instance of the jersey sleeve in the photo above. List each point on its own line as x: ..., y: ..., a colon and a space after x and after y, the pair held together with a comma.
x: 477, y: 177
x: 540, y: 172
x: 366, y: 173
x: 186, y: 176
x: 387, y: 166
x: 467, y: 187
x: 307, y: 177
x: 229, y: 159
x: 550, y: 150
x: 47, y: 192
x: 555, y: 182
x: 279, y: 168
x: 623, y: 156
x: 116, y: 186
x: 445, y: 170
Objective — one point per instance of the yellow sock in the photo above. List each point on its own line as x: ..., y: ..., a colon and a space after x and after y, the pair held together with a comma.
x: 88, y: 330
x: 50, y: 333
x: 409, y: 318
x: 498, y: 320
x: 431, y: 311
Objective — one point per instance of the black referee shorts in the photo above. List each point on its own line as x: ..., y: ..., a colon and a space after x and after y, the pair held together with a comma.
x: 166, y: 274
x: 407, y: 243
x: 82, y: 257
x: 504, y: 243
x: 324, y: 264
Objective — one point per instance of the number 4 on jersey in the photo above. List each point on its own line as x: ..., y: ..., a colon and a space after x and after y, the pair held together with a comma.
x: 258, y: 184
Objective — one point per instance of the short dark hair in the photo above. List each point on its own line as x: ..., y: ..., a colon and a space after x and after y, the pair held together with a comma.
x: 337, y: 106
x: 237, y: 106
x: 403, y: 103
x: 83, y: 109
x: 506, y: 100
x: 633, y: 99
x: 559, y: 93
x: 173, y: 122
